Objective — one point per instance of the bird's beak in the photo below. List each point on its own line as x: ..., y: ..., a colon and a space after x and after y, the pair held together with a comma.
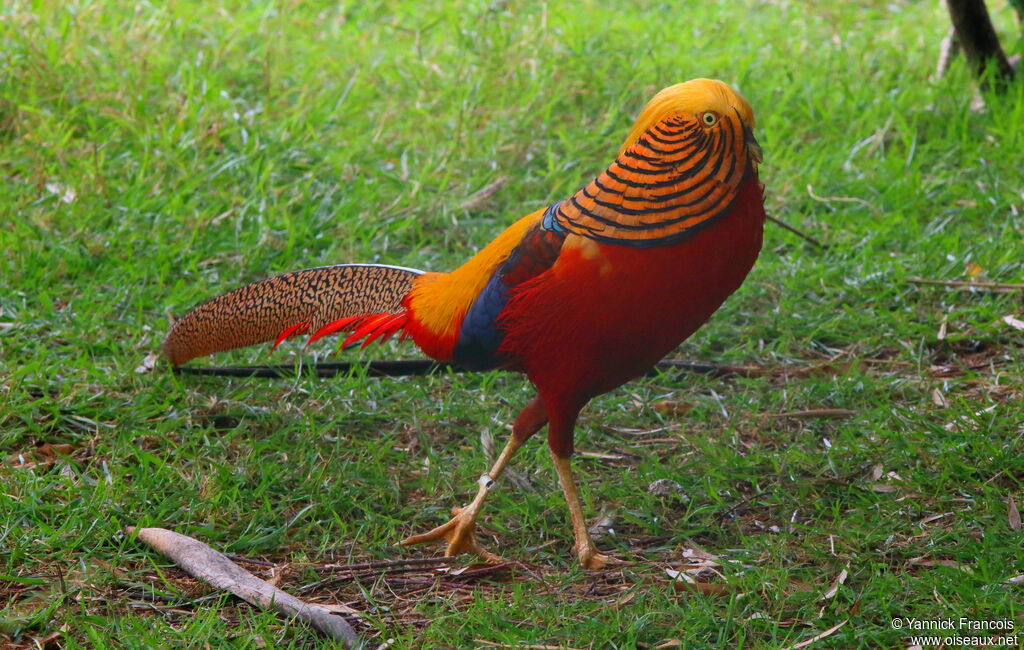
x: 753, y: 147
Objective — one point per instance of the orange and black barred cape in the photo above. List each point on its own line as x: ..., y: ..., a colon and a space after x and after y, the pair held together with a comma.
x: 677, y: 177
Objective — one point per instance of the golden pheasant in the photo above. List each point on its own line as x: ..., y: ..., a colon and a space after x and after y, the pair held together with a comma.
x: 581, y: 296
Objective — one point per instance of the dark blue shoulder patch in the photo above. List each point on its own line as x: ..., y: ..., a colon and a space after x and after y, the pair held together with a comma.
x: 479, y: 338
x: 480, y: 335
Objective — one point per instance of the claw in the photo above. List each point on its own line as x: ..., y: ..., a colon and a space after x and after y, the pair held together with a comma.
x: 460, y: 532
x: 591, y: 560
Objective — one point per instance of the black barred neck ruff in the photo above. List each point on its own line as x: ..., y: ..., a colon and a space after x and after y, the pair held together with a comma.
x: 679, y: 176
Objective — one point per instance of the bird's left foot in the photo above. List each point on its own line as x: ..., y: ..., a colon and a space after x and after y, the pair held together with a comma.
x: 460, y: 532
x: 592, y: 560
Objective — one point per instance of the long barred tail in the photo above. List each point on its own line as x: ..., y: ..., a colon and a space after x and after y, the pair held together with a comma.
x: 366, y: 298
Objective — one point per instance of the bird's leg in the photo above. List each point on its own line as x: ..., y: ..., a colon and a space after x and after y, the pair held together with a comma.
x: 460, y: 530
x: 589, y: 556
x: 560, y: 441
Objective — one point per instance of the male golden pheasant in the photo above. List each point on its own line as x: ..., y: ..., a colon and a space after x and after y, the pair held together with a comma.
x: 581, y: 296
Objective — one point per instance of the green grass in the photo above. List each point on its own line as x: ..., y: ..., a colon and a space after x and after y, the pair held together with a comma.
x: 155, y: 154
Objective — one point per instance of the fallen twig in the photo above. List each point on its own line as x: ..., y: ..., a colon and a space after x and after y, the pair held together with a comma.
x: 705, y: 588
x: 483, y: 571
x: 707, y: 368
x: 249, y: 560
x: 841, y: 199
x: 355, y: 576
x: 383, y: 564
x: 203, y: 563
x: 518, y: 646
x: 479, y: 198
x: 387, y: 368
x: 728, y: 511
x: 798, y: 233
x: 428, y: 584
x: 818, y: 637
x: 418, y: 367
x: 814, y: 413
x: 947, y: 52
x: 1004, y: 287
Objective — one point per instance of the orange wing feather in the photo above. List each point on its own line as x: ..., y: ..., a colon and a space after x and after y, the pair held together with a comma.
x: 438, y: 302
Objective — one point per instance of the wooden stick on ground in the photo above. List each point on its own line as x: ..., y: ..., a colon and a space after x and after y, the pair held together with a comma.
x: 417, y: 367
x: 798, y: 233
x: 203, y: 563
x: 814, y: 413
x: 971, y: 284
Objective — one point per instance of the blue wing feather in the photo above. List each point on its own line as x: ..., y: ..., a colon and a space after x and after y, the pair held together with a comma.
x: 480, y: 335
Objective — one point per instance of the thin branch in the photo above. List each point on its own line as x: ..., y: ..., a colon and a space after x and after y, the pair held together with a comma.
x: 842, y: 199
x: 479, y: 199
x: 388, y: 368
x: 484, y: 571
x: 418, y: 367
x: 705, y: 368
x: 203, y: 563
x: 947, y: 52
x: 814, y: 413
x: 728, y: 511
x: 971, y: 284
x: 249, y: 560
x: 796, y: 232
x: 384, y: 564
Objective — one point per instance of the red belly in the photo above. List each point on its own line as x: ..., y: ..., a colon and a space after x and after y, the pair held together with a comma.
x: 593, y: 322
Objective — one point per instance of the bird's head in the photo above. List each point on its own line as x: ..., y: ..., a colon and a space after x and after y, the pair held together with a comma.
x: 701, y: 113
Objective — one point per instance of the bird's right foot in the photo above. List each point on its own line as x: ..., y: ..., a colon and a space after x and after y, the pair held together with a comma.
x: 460, y: 532
x: 592, y: 560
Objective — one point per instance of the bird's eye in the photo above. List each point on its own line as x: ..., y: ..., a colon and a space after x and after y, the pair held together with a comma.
x: 709, y: 118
